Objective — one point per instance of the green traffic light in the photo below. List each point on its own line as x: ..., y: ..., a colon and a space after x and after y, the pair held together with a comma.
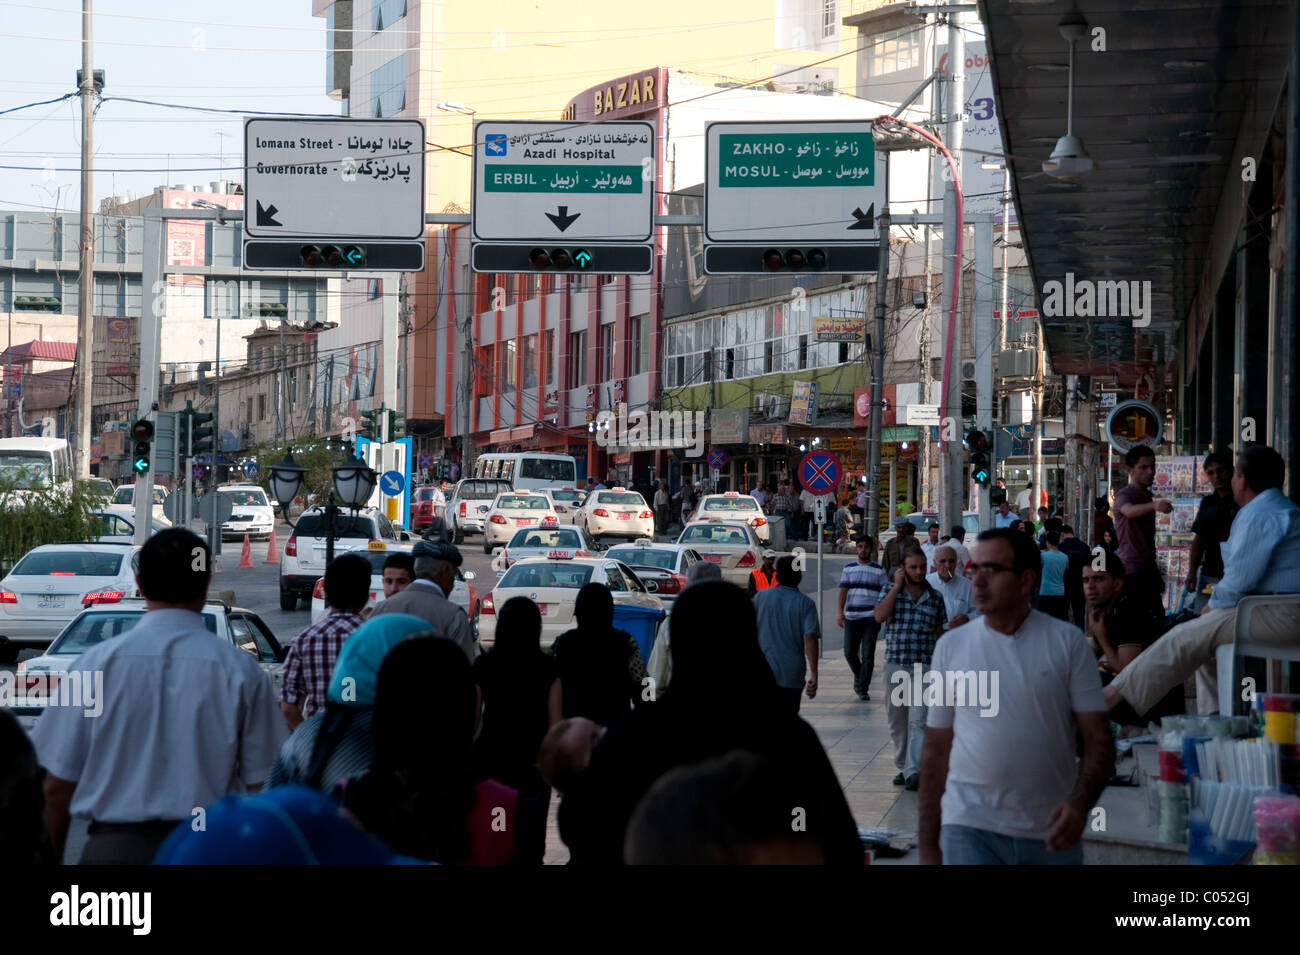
x: 582, y: 258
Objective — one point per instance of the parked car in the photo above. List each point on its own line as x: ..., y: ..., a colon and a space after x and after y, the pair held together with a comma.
x: 250, y: 512
x: 463, y: 593
x: 553, y: 584
x: 38, y: 676
x: 101, y: 486
x: 469, y: 502
x: 52, y: 583
x: 303, y: 561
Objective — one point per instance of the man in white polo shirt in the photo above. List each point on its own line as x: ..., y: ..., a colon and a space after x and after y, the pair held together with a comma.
x: 1000, y: 782
x: 186, y: 718
x: 958, y: 596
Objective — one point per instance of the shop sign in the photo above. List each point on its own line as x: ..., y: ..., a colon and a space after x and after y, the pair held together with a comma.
x: 1134, y: 423
x: 843, y: 444
x: 803, y: 403
x: 767, y: 434
x: 729, y: 426
x: 835, y: 328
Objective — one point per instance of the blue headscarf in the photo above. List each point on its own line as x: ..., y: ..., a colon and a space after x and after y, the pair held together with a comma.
x: 364, y: 651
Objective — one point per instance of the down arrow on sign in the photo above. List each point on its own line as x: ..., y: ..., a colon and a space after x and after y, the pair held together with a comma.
x: 563, y: 220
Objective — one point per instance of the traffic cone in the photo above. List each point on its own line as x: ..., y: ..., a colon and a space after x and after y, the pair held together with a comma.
x: 246, y: 555
x: 272, y: 553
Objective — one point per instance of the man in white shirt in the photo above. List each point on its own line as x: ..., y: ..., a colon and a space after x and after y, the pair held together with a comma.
x: 958, y: 597
x: 959, y: 548
x: 929, y: 546
x: 809, y: 501
x: 1000, y: 783
x: 184, y: 718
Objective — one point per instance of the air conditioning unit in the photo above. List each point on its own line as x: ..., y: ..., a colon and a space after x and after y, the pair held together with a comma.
x: 771, y: 407
x: 968, y: 370
x: 1016, y: 363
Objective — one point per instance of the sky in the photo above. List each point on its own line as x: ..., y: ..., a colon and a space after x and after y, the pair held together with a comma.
x: 252, y: 55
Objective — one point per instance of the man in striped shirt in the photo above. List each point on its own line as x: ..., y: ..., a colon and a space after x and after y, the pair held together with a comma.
x: 860, y: 588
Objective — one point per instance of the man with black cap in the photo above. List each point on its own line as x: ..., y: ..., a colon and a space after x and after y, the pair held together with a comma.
x: 426, y: 597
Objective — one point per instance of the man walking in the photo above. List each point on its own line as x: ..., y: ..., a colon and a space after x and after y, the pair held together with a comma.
x: 1076, y: 551
x: 894, y: 550
x: 1051, y: 594
x: 182, y: 718
x: 783, y: 506
x: 914, y: 616
x: 788, y: 631
x: 1261, y: 556
x: 1211, y: 528
x: 310, y: 661
x: 763, y: 577
x: 958, y: 598
x: 930, y: 545
x: 808, y: 509
x: 688, y: 500
x: 980, y: 802
x: 1004, y: 517
x: 661, y: 507
x: 861, y: 585
x: 957, y: 542
x: 426, y: 597
x: 1135, y: 528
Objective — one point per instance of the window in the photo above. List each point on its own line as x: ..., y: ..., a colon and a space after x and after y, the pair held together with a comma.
x: 547, y: 469
x: 895, y: 51
x: 830, y: 20
x: 374, y: 288
x: 261, y: 407
x: 388, y: 87
x: 293, y: 387
x: 68, y: 563
x: 577, y: 359
x: 530, y: 361
x: 509, y: 373
x: 607, y: 346
x: 548, y: 355
x: 248, y: 411
x: 388, y: 12
x: 640, y: 344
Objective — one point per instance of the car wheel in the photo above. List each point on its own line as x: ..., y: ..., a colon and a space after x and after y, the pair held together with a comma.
x: 306, y: 601
x: 288, y: 600
x: 457, y: 535
x: 487, y: 545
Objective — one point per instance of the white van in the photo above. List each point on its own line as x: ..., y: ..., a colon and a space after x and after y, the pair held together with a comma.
x: 35, y: 463
x: 528, y: 470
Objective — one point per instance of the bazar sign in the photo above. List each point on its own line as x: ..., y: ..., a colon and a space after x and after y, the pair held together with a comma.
x: 835, y: 329
x: 626, y: 96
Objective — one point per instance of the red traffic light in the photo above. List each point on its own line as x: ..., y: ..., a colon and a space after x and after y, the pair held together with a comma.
x: 795, y: 259
x: 539, y: 259
x: 562, y: 259
x: 311, y: 255
x: 773, y: 259
x: 142, y: 430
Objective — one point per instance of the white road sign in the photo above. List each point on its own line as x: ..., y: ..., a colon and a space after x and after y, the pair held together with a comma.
x: 922, y: 414
x: 819, y: 181
x: 568, y: 181
x: 334, y: 178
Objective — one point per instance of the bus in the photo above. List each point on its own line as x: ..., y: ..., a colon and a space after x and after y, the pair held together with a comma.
x: 528, y: 470
x: 35, y: 463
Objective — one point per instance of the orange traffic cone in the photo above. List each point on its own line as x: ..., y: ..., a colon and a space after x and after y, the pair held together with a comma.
x: 272, y: 552
x: 246, y: 555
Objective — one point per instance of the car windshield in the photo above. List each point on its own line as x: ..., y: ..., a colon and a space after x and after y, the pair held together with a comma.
x: 537, y: 537
x: 644, y: 557
x: 567, y: 496
x: 160, y: 496
x: 568, y: 576
x: 347, y: 525
x: 626, y: 498
x: 482, y: 490
x: 704, y: 534
x: 247, y: 497
x: 27, y: 469
x: 547, y: 469
x: 730, y: 504
x: 520, y: 502
x: 124, y: 495
x: 69, y: 563
x: 94, y: 627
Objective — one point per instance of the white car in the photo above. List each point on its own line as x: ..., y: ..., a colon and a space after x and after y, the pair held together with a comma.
x: 734, y: 506
x: 732, y: 545
x: 661, y: 567
x: 567, y: 501
x: 125, y: 494
x: 53, y: 583
x: 617, y: 512
x: 303, y: 561
x: 544, y: 540
x: 37, y: 676
x: 250, y: 512
x: 463, y: 593
x: 117, y: 523
x: 553, y: 585
x: 512, y: 510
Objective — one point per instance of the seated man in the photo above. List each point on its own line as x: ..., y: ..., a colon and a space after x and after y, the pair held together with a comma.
x: 1262, y: 556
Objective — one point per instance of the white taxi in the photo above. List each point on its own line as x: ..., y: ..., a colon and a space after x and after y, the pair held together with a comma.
x: 732, y: 545
x: 463, y: 593
x: 541, y: 541
x: 734, y: 506
x: 553, y: 583
x: 616, y: 512
x: 567, y: 501
x: 512, y: 510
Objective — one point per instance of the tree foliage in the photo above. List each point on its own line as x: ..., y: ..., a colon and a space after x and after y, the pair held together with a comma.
x: 318, y: 455
x: 44, y: 515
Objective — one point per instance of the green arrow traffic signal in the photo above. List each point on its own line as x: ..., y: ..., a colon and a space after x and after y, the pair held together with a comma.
x: 582, y: 258
x: 142, y: 435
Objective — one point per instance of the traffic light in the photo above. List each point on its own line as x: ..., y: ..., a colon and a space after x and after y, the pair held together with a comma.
x: 562, y: 260
x: 795, y: 260
x: 333, y: 256
x: 369, y: 425
x: 142, y: 436
x: 203, y: 439
x: 981, y: 469
x: 628, y: 259
x: 396, y: 424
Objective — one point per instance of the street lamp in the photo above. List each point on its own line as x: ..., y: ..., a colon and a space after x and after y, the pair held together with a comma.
x: 353, y: 485
x: 287, y: 479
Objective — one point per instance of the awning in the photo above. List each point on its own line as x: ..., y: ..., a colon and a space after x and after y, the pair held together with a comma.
x: 511, y: 435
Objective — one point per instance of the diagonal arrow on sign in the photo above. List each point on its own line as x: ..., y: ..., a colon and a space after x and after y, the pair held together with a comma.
x: 266, y: 215
x: 563, y: 220
x: 865, y: 220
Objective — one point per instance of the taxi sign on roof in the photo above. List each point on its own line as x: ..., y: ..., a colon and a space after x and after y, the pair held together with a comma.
x: 731, y: 494
x: 618, y: 489
x: 559, y: 555
x: 378, y: 545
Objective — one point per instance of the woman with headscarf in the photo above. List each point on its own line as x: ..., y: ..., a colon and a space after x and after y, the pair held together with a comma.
x: 515, y: 678
x: 724, y: 698
x: 600, y: 668
x: 336, y: 742
x: 420, y: 796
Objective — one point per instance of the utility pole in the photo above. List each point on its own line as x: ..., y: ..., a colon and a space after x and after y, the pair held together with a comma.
x: 950, y: 512
x: 1038, y: 422
x: 86, y: 284
x: 1006, y: 254
x: 871, y: 520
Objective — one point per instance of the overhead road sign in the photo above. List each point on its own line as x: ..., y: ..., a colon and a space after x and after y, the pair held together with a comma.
x: 563, y: 197
x: 789, y: 193
x: 339, y: 186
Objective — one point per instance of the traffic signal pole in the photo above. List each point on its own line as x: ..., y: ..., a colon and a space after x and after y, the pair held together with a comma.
x: 984, y: 356
x: 871, y: 519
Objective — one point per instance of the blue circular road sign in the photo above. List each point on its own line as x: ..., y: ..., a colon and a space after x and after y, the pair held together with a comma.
x: 392, y: 483
x: 717, y: 458
x: 819, y: 472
